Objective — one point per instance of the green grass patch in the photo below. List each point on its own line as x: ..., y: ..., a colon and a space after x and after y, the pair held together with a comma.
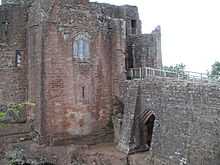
x: 2, y: 115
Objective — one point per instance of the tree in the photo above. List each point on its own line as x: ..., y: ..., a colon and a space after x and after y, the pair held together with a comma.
x: 215, y: 71
x: 180, y: 68
x: 177, y: 70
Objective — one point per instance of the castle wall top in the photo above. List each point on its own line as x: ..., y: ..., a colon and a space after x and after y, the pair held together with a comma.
x: 24, y: 2
x: 16, y: 2
x: 10, y: 2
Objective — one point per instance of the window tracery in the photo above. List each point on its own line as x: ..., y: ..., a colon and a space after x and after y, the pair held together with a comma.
x: 81, y: 46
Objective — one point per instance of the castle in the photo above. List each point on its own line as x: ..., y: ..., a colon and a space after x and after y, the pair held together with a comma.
x: 72, y: 58
x: 68, y: 58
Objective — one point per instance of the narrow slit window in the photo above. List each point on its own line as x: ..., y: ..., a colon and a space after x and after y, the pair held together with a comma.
x: 4, y: 28
x: 134, y: 26
x: 83, y: 92
x: 148, y: 52
x: 18, y: 58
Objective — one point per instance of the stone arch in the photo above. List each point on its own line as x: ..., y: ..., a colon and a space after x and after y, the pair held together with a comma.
x: 143, y: 131
x: 148, y: 119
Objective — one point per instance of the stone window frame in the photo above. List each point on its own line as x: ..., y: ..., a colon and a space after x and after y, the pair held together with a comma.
x: 19, y: 57
x: 134, y: 26
x: 81, y: 46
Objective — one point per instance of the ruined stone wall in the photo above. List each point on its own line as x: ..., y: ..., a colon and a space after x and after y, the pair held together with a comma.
x: 141, y: 50
x: 186, y: 130
x: 7, y: 58
x: 13, y: 84
x: 158, y: 50
x: 145, y: 50
x: 118, y: 46
x: 13, y: 75
x: 12, y: 27
x: 12, y: 35
x: 73, y: 95
x: 126, y: 12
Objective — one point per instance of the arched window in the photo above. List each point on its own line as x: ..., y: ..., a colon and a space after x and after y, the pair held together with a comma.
x: 81, y: 46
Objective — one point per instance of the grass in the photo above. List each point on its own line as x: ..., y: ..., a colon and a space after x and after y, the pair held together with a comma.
x: 2, y: 115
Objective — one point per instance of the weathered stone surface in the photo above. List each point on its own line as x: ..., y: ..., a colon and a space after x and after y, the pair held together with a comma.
x: 186, y: 129
x: 3, y: 108
x: 76, y: 97
x: 12, y: 86
x: 13, y: 82
x: 117, y: 123
x: 72, y: 96
x: 78, y: 93
x: 145, y: 50
x: 104, y: 154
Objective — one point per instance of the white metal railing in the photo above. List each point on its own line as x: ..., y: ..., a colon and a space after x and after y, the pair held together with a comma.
x: 141, y: 73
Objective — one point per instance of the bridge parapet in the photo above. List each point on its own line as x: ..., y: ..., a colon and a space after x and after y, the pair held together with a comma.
x: 142, y: 73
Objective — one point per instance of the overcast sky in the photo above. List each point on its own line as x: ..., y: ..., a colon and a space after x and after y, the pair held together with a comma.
x: 190, y: 29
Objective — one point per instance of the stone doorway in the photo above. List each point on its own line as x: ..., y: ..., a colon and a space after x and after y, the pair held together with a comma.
x: 142, y: 132
x: 148, y: 130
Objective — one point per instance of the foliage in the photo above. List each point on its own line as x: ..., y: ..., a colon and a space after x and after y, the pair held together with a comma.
x: 2, y: 115
x: 215, y: 71
x: 16, y: 109
x: 175, y: 68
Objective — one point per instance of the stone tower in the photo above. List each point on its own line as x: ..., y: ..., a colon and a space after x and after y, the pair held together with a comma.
x: 72, y: 55
x: 75, y: 65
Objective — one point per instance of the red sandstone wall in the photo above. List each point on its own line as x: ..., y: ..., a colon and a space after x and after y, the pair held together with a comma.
x: 65, y: 76
x: 12, y: 86
x: 13, y: 82
x: 35, y: 67
x: 56, y: 77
